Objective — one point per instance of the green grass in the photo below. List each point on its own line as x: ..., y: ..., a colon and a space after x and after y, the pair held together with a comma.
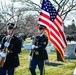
x: 52, y: 68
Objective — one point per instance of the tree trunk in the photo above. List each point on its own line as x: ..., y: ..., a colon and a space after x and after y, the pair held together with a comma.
x: 59, y: 58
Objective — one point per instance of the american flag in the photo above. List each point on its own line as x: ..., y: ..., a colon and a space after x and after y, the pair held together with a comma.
x: 50, y: 18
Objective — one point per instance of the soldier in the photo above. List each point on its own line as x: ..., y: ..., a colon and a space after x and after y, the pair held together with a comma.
x: 38, y: 53
x: 14, y: 47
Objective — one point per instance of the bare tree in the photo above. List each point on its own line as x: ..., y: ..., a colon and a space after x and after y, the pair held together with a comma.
x: 27, y: 26
x: 17, y: 15
x: 64, y: 7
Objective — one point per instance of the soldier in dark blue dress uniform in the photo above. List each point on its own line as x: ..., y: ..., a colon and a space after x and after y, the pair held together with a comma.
x: 14, y: 47
x: 38, y: 53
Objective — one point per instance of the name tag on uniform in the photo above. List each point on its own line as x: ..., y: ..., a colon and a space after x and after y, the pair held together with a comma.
x: 37, y: 53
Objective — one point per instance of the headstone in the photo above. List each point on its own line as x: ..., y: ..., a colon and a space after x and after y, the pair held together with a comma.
x: 27, y: 46
x: 48, y: 50
x: 70, y: 50
x: 59, y: 58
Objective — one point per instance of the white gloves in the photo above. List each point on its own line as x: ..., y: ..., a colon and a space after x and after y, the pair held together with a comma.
x: 2, y: 54
x: 30, y: 57
x: 36, y: 46
x: 47, y: 61
x: 33, y: 46
x: 6, y: 44
x: 8, y: 36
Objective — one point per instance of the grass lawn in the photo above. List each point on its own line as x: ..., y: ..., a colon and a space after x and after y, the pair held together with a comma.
x: 52, y: 68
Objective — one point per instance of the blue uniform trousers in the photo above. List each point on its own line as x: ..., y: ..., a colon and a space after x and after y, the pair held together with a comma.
x: 33, y: 65
x: 10, y: 71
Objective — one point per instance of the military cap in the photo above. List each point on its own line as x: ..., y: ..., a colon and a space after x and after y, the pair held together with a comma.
x: 10, y: 26
x: 41, y: 27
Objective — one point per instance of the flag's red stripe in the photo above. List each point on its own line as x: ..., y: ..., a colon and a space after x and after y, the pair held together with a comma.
x: 60, y: 17
x: 55, y: 30
x: 57, y: 40
x: 45, y: 22
x: 45, y: 15
x: 60, y: 22
x: 61, y: 32
x: 56, y: 45
x: 57, y: 34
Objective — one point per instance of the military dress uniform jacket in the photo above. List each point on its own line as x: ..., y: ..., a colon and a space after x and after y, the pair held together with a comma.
x: 12, y: 59
x: 40, y: 52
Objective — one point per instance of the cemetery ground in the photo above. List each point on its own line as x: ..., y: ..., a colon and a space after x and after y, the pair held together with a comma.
x: 54, y: 67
